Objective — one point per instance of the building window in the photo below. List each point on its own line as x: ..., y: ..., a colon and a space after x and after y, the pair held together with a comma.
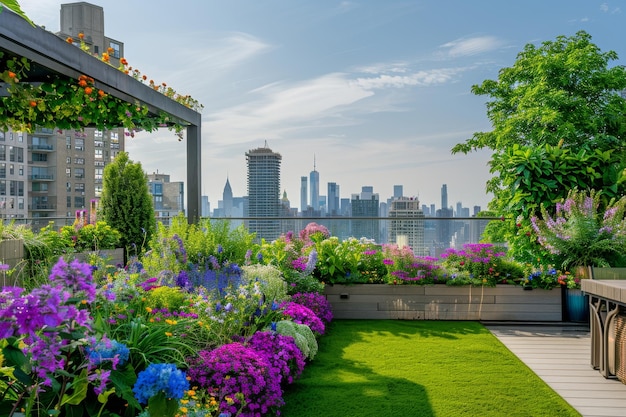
x: 97, y: 134
x: 68, y: 160
x: 68, y: 201
x: 98, y: 154
x: 20, y: 188
x: 79, y: 144
x: 98, y: 173
x: 68, y: 187
x: 40, y: 157
x: 79, y: 161
x: 68, y: 142
x: 2, y: 136
x: 68, y: 172
x: 79, y: 173
x: 79, y: 187
x: 11, y: 169
x: 3, y: 170
x: 20, y: 138
x: 20, y: 203
x: 114, y: 50
x: 20, y: 170
x: 79, y: 201
x: 3, y: 187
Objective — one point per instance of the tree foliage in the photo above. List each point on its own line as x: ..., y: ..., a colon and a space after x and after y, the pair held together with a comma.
x: 562, y: 90
x: 126, y: 204
x: 559, y: 123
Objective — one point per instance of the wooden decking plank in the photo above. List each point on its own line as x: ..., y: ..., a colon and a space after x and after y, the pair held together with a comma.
x: 561, y: 355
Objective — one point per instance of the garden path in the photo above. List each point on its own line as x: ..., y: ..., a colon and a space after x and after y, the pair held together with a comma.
x: 560, y: 354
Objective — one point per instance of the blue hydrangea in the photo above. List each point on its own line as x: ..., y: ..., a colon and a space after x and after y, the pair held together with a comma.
x: 108, y: 350
x: 160, y: 377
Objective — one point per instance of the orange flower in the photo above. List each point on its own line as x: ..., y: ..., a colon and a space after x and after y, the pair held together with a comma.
x: 81, y: 35
x: 123, y: 61
x: 109, y: 49
x: 101, y: 93
x: 88, y: 90
x: 69, y: 39
x: 33, y: 103
x: 105, y: 57
x: 11, y: 74
x: 82, y: 83
x: 144, y: 78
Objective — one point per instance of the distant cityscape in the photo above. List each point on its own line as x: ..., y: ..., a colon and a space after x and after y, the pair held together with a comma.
x: 58, y: 174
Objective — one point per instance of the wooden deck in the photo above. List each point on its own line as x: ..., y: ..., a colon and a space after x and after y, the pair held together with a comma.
x: 560, y: 355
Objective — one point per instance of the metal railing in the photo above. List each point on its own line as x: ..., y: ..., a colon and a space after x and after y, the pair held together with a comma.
x: 426, y: 236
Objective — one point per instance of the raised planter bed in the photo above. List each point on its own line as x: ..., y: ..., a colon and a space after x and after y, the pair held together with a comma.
x: 441, y: 302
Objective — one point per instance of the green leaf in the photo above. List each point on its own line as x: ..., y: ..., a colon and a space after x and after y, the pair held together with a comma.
x: 161, y: 406
x: 79, y: 386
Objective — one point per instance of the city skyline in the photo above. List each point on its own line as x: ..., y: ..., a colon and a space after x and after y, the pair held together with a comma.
x: 376, y: 92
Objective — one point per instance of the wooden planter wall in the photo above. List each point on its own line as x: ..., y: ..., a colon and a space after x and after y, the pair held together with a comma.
x: 441, y: 302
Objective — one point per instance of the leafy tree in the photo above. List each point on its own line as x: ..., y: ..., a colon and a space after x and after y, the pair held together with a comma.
x: 126, y: 204
x: 559, y: 123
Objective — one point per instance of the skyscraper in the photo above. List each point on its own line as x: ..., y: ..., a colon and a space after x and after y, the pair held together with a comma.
x: 227, y: 199
x: 303, y: 194
x: 407, y: 226
x: 365, y: 205
x: 397, y: 191
x: 333, y: 199
x: 263, y: 192
x: 314, y: 183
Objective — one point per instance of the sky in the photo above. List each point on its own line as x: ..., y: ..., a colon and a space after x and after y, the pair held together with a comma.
x: 376, y: 92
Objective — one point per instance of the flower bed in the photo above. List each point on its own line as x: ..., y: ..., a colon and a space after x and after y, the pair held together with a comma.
x: 442, y: 302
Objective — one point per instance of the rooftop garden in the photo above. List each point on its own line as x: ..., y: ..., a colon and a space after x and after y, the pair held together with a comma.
x: 201, y: 321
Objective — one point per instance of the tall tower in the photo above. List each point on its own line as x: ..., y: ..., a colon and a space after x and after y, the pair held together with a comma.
x: 303, y: 194
x: 333, y: 199
x: 263, y: 192
x: 227, y: 199
x: 365, y: 205
x: 407, y: 226
x: 397, y: 191
x: 444, y: 196
x: 315, y: 188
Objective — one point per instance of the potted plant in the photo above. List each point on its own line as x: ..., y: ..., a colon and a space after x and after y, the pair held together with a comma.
x: 583, y: 232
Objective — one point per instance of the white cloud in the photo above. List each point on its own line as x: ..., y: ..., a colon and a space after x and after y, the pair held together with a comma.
x: 471, y: 46
x: 420, y: 79
x: 282, y: 107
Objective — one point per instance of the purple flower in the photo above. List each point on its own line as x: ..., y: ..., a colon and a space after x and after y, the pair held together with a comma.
x: 303, y: 315
x: 240, y: 373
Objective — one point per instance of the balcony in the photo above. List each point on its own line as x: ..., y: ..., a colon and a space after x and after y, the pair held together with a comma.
x: 41, y: 147
x: 41, y: 177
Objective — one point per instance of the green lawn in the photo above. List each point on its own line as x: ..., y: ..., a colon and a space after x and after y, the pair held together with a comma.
x: 418, y: 368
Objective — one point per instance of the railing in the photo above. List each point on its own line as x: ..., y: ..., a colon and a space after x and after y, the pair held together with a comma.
x: 426, y: 236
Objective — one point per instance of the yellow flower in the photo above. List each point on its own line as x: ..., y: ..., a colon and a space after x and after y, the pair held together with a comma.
x: 149, y: 310
x: 168, y: 334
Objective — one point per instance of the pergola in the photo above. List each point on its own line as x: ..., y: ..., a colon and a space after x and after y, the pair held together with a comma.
x: 50, y: 54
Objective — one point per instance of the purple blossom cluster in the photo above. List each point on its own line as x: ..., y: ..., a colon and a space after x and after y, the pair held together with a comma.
x: 240, y: 377
x: 47, y: 314
x: 303, y: 315
x: 281, y: 352
x: 317, y: 303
